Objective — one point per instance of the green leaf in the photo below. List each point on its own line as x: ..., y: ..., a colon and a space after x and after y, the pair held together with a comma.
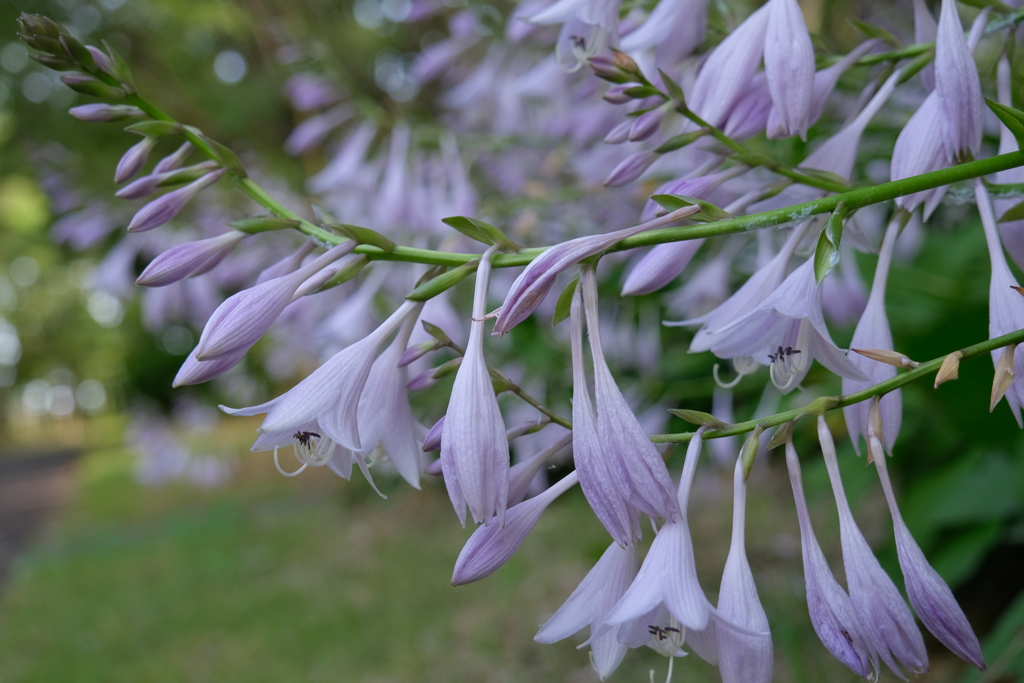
x: 1012, y: 118
x: 263, y: 224
x: 365, y: 236
x: 640, y: 92
x: 708, y: 212
x: 122, y: 73
x: 749, y: 450
x: 88, y: 85
x: 699, y: 418
x: 227, y: 157
x: 154, y: 129
x: 995, y: 4
x: 482, y: 231
x: 442, y: 282
x: 679, y: 141
x: 77, y: 51
x: 436, y: 332
x: 564, y: 304
x: 1014, y: 213
x: 673, y: 88
x: 447, y: 368
x: 872, y: 31
x: 826, y: 254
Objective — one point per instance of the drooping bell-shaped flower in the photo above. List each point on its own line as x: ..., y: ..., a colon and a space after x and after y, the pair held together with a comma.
x: 330, y: 395
x: 243, y: 318
x: 189, y: 259
x: 492, y: 545
x: 386, y: 423
x: 831, y: 611
x: 741, y: 658
x: 536, y: 280
x: 669, y: 574
x: 729, y: 68
x: 590, y: 604
x: 929, y: 594
x: 958, y: 86
x: 1012, y: 232
x: 873, y: 333
x: 786, y: 331
x: 789, y: 66
x: 1006, y: 305
x: 888, y: 623
x: 673, y: 29
x: 588, y: 26
x: 602, y: 475
x: 649, y: 484
x: 474, y: 450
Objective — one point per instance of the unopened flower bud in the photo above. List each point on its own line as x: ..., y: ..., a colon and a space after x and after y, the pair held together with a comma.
x: 417, y: 351
x: 950, y: 368
x: 87, y: 85
x: 102, y: 113
x: 174, y: 160
x: 102, y: 60
x: 630, y: 168
x: 188, y: 259
x: 163, y: 209
x: 894, y: 358
x: 134, y: 159
x: 617, y: 94
x: 1003, y: 377
x: 432, y: 441
x: 619, y: 134
x: 646, y: 125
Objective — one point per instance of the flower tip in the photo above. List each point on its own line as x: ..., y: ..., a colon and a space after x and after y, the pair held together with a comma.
x: 950, y: 369
x: 1003, y: 376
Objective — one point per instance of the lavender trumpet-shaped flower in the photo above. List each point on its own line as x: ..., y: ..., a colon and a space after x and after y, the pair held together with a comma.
x: 386, y: 424
x: 536, y: 280
x: 929, y: 594
x: 588, y: 26
x: 1012, y: 232
x: 729, y: 68
x: 889, y: 626
x: 669, y: 575
x: 673, y: 29
x: 741, y: 658
x: 492, y: 545
x: 474, y: 450
x: 958, y: 86
x: 590, y: 604
x: 165, y: 208
x: 786, y: 331
x: 873, y: 333
x: 789, y: 66
x: 832, y: 614
x: 925, y: 31
x: 189, y: 259
x: 330, y: 395
x: 522, y: 474
x: 243, y: 318
x: 134, y: 159
x: 650, y: 487
x: 602, y: 475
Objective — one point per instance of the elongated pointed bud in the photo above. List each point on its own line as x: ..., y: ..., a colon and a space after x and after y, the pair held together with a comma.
x: 894, y: 358
x: 103, y: 113
x: 1003, y: 377
x: 432, y: 441
x: 134, y: 159
x: 165, y: 208
x: 191, y: 258
x: 950, y: 368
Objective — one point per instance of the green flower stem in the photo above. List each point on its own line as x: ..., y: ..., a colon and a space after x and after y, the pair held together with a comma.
x: 836, y: 402
x: 854, y: 199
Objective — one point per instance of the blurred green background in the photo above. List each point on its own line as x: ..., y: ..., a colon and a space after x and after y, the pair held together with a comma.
x: 316, y: 579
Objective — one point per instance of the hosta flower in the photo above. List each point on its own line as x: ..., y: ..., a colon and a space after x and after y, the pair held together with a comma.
x: 786, y: 331
x: 492, y: 545
x: 873, y: 333
x: 929, y: 594
x: 189, y: 259
x: 330, y: 395
x: 537, y: 279
x: 741, y: 658
x: 590, y: 604
x: 602, y: 475
x: 386, y: 423
x: 957, y: 85
x: 832, y: 614
x: 650, y: 487
x: 673, y: 29
x: 889, y: 626
x: 588, y: 26
x: 1012, y: 232
x: 243, y: 318
x: 789, y: 66
x: 474, y: 450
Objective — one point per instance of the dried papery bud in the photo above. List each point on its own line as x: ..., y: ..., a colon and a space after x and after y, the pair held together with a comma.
x: 1003, y: 376
x: 894, y: 358
x: 950, y: 368
x: 103, y: 113
x: 134, y: 159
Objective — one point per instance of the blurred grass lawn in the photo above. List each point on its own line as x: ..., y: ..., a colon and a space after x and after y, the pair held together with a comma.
x: 316, y: 579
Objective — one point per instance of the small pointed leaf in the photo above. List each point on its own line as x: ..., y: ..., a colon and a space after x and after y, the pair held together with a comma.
x: 482, y: 231
x: 564, y: 303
